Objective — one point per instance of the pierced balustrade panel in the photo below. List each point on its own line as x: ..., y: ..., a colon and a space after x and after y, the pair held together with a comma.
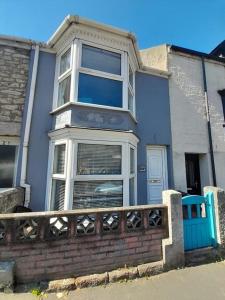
x: 155, y: 217
x: 2, y: 231
x: 85, y: 224
x: 27, y: 229
x: 134, y: 220
x: 111, y: 222
x: 58, y: 228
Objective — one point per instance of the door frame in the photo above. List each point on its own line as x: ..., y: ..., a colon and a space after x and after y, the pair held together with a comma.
x: 165, y: 164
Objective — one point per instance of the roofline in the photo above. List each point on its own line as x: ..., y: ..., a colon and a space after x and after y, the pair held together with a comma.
x: 69, y: 20
x: 217, y: 47
x: 19, y: 41
x: 79, y: 20
x: 196, y: 53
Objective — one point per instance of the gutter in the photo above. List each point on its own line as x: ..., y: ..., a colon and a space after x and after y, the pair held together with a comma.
x: 199, y: 54
x: 208, y: 122
x: 69, y: 20
x: 23, y: 179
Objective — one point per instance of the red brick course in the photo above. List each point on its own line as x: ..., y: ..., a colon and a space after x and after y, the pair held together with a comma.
x: 84, y: 255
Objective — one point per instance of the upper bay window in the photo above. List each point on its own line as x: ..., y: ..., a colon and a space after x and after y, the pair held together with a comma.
x: 95, y: 75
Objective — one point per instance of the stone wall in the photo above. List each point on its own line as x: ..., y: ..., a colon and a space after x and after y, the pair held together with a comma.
x: 53, y: 245
x: 14, y: 65
x: 11, y: 198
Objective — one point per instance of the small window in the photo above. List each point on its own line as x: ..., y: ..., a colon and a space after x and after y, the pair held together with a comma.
x: 131, y: 191
x: 65, y: 62
x: 132, y: 161
x: 99, y: 159
x: 98, y: 193
x: 131, y: 92
x: 59, y: 159
x: 101, y: 91
x: 131, y: 77
x: 58, y: 194
x: 64, y: 91
x: 7, y: 165
x: 101, y: 60
x: 130, y: 101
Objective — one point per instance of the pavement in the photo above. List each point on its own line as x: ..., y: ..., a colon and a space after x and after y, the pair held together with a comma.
x: 195, y: 283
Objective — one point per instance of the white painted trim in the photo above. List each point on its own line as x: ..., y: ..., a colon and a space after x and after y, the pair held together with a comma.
x: 165, y: 164
x: 49, y: 179
x: 59, y: 78
x: 68, y: 164
x: 28, y: 127
x: 76, y: 68
x: 86, y: 136
x: 94, y: 134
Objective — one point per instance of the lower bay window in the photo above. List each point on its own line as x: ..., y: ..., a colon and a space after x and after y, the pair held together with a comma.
x: 92, y: 173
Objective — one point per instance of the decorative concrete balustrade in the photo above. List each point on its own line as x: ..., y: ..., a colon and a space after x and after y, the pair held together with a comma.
x: 43, y: 226
x: 51, y: 245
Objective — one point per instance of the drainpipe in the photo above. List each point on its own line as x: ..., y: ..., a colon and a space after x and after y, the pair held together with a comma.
x: 23, y: 181
x: 208, y: 123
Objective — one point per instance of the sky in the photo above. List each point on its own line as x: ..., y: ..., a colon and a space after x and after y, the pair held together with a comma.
x: 194, y: 24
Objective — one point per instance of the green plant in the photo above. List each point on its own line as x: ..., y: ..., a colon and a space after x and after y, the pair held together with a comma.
x: 38, y: 293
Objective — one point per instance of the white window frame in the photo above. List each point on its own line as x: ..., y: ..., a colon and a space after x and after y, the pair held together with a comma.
x: 54, y: 176
x: 76, y: 68
x: 71, y: 176
x: 134, y: 174
x: 131, y: 88
x: 59, y: 78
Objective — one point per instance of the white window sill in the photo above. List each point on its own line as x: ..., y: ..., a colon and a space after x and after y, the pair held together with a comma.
x: 93, y: 106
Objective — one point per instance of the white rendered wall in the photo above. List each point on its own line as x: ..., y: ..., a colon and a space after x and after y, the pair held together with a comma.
x: 188, y: 118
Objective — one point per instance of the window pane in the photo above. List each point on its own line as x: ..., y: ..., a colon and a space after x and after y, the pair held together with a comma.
x: 99, y: 159
x: 65, y: 62
x: 98, y: 194
x: 102, y: 60
x: 97, y: 90
x: 131, y: 191
x: 64, y: 91
x: 130, y: 101
x: 7, y: 165
x: 132, y: 168
x: 59, y: 159
x: 58, y: 194
x: 131, y: 76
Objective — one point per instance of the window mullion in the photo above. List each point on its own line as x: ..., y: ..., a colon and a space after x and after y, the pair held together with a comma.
x: 125, y: 74
x: 100, y: 74
x: 125, y: 173
x: 69, y: 160
x: 75, y: 71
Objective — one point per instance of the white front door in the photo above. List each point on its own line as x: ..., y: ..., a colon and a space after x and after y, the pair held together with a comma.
x: 156, y: 173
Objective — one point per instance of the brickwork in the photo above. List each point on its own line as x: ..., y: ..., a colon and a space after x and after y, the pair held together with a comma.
x: 14, y: 65
x: 43, y: 256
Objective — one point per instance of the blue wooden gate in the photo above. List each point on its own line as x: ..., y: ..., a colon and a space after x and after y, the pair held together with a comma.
x: 198, y: 218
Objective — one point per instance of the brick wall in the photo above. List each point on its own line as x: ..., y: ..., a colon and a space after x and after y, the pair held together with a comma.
x: 129, y: 237
x: 14, y: 65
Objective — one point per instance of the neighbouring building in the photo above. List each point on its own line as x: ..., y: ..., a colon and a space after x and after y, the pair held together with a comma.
x: 14, y: 69
x: 105, y: 124
x: 196, y: 88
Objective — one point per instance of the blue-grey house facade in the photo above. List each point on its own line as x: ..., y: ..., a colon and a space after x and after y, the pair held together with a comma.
x: 96, y: 123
